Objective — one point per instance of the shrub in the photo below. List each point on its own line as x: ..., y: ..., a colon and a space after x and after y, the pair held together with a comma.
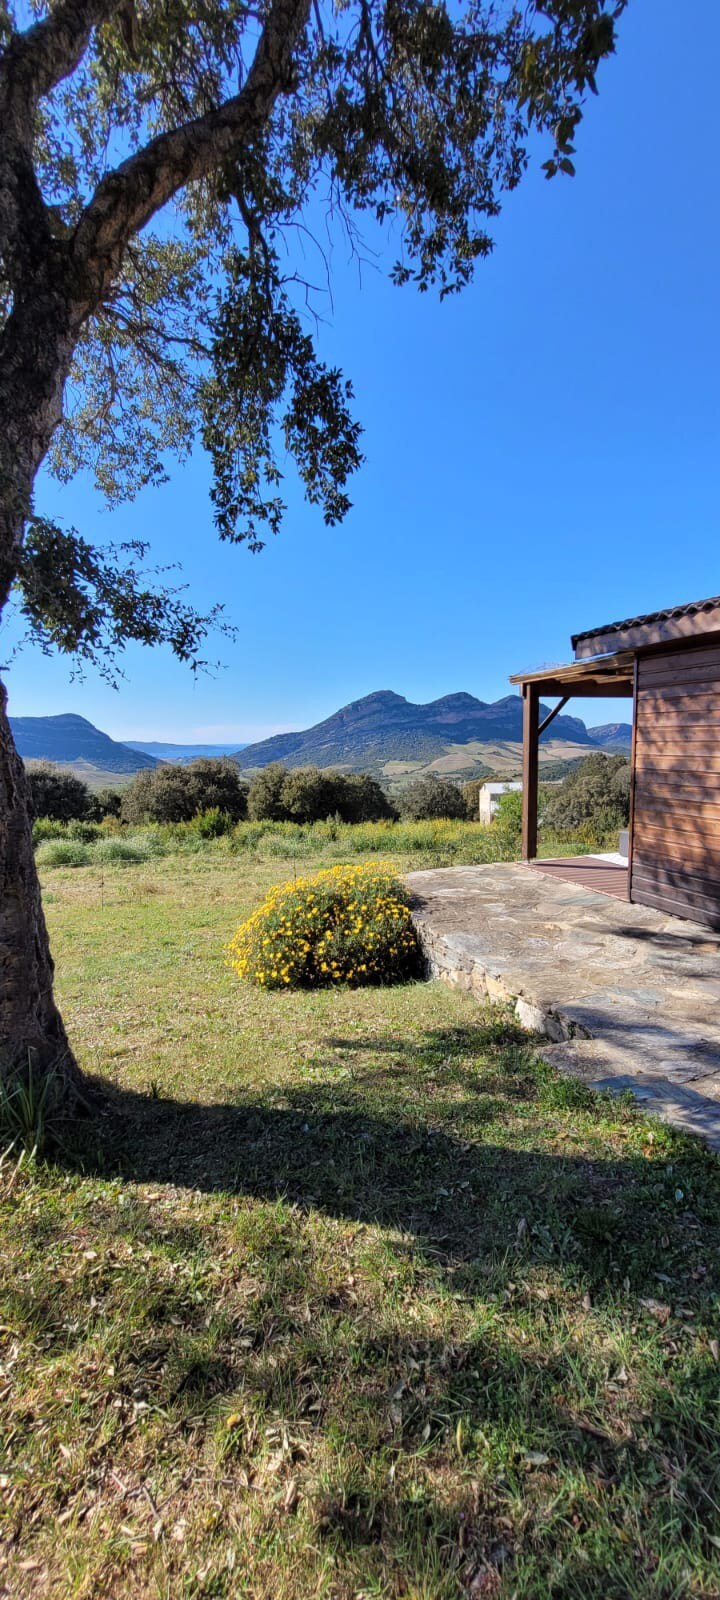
x: 62, y: 853
x: 110, y: 827
x: 82, y: 832
x: 47, y: 828
x: 58, y: 794
x: 175, y: 793
x: 125, y: 851
x: 213, y: 823
x: 343, y: 925
x: 508, y: 815
x: 431, y: 797
x: 309, y: 795
x: 363, y: 799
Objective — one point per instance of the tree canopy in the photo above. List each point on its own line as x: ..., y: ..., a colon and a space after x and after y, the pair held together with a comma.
x: 596, y: 795
x: 430, y: 797
x: 309, y: 794
x: 58, y: 794
x: 162, y: 169
x: 176, y: 793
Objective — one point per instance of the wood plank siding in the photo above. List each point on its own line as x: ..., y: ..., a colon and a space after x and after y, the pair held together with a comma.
x: 676, y: 813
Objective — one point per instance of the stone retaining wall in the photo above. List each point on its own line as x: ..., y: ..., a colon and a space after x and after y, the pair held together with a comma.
x: 444, y: 960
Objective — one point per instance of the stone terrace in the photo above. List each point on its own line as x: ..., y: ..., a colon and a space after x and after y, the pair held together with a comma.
x: 626, y: 997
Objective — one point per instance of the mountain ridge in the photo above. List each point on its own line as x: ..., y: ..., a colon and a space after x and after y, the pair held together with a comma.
x: 456, y: 735
x: 385, y: 728
x: 68, y: 738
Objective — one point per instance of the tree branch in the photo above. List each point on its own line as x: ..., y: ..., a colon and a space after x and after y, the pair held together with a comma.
x: 38, y: 59
x: 128, y: 197
x: 31, y: 65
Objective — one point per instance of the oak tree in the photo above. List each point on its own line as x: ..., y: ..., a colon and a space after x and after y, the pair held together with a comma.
x: 159, y: 162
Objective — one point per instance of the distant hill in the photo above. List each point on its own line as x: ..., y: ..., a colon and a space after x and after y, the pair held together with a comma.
x: 456, y: 737
x: 67, y: 740
x: 613, y: 736
x: 386, y: 734
x: 182, y: 752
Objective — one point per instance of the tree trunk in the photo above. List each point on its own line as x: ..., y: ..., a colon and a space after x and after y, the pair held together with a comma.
x: 35, y: 353
x: 32, y: 1034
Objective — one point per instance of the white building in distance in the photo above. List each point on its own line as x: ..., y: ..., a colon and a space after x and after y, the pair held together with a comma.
x: 490, y: 795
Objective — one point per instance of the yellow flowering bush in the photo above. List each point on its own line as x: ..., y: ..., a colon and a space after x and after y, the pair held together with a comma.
x: 344, y: 925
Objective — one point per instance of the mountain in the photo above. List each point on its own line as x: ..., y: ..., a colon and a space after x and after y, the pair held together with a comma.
x: 613, y: 736
x: 456, y: 736
x: 68, y: 739
x: 384, y: 732
x: 181, y: 752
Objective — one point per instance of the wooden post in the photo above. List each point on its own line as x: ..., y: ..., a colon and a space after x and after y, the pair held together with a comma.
x: 531, y: 706
x: 633, y: 750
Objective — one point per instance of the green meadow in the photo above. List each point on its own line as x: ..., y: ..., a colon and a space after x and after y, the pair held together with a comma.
x: 340, y: 1294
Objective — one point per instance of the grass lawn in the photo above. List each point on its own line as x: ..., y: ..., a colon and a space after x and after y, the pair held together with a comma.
x: 344, y: 1294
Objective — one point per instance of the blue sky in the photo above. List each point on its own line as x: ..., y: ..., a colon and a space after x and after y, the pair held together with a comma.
x: 542, y: 451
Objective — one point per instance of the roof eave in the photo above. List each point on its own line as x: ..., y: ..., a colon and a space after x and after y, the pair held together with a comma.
x: 610, y: 675
x: 646, y: 634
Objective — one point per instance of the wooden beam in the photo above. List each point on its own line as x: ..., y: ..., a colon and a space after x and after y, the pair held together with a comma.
x: 552, y: 714
x: 531, y: 703
x: 633, y: 782
x: 586, y: 688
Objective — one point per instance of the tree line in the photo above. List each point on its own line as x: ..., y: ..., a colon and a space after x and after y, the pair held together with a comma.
x: 177, y: 793
x: 595, y: 795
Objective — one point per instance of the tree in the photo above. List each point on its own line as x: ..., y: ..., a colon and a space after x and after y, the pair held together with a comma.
x: 265, y: 796
x: 309, y: 795
x: 430, y: 797
x: 595, y: 796
x: 363, y: 799
x: 156, y: 168
x: 107, y: 803
x: 175, y: 793
x: 58, y: 794
x: 471, y: 796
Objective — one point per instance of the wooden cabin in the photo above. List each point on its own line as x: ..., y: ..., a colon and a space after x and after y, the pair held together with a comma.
x: 668, y: 663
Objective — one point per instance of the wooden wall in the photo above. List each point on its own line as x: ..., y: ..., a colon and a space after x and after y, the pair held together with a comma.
x: 676, y: 808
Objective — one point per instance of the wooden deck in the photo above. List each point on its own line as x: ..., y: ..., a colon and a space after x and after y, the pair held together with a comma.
x: 603, y: 876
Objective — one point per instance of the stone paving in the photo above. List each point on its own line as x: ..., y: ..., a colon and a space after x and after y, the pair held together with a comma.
x: 626, y: 997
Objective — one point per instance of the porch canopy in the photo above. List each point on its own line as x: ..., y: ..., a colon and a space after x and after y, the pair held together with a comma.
x: 602, y: 676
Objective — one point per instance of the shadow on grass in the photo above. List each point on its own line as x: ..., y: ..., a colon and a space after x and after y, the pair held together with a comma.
x: 455, y: 1419
x: 465, y: 1166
